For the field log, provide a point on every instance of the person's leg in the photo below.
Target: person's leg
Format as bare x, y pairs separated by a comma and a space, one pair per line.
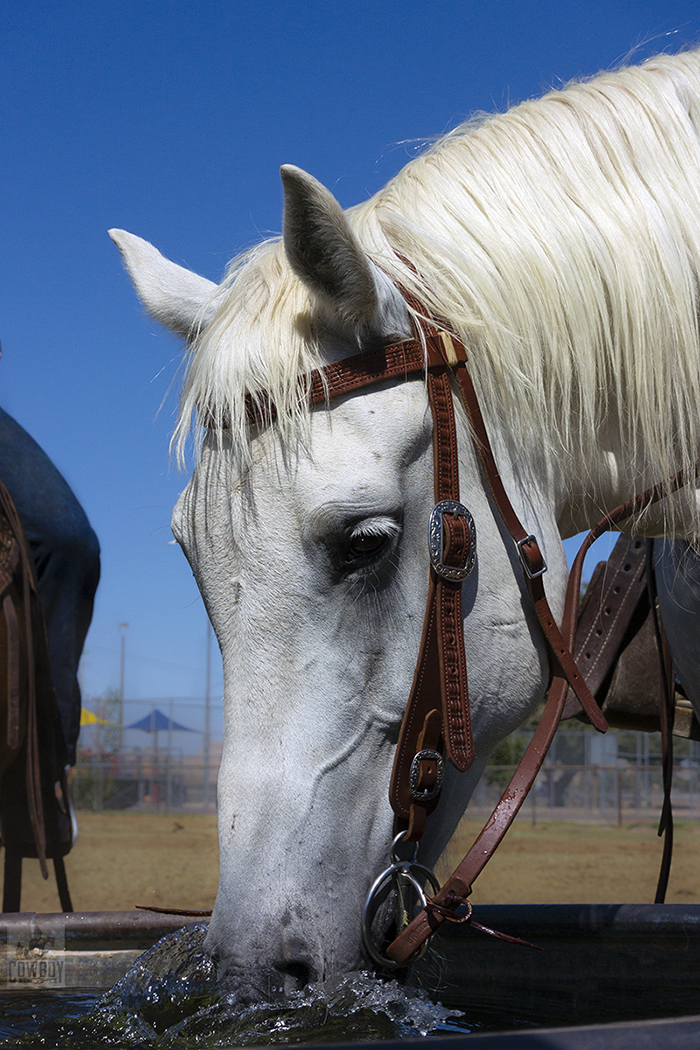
66, 555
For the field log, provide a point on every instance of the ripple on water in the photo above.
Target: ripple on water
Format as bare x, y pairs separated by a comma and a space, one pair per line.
170, 998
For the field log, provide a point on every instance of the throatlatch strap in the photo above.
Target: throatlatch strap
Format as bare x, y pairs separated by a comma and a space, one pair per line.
530, 556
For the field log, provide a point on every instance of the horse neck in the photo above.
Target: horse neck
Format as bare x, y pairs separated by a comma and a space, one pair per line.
618, 472
583, 337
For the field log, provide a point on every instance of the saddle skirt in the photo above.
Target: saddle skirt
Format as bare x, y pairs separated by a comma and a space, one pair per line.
617, 649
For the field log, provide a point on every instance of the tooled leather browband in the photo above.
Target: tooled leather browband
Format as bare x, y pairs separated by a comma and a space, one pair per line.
393, 361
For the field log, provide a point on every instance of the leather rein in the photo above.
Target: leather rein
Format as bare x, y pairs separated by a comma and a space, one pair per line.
436, 725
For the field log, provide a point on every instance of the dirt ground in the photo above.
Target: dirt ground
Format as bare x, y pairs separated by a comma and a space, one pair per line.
580, 864
124, 859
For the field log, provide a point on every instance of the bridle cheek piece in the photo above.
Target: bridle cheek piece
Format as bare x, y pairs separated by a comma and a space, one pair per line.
436, 726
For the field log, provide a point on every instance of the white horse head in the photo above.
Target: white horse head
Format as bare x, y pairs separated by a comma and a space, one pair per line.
551, 238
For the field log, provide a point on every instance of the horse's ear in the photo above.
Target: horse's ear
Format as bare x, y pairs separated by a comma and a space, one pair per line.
322, 249
173, 295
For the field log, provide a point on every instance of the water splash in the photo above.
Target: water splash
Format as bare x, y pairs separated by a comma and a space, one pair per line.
170, 998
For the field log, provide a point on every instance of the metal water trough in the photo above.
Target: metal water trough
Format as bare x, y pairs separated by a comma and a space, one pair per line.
599, 963
78, 950
631, 971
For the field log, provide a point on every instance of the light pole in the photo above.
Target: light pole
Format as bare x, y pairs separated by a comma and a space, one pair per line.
123, 628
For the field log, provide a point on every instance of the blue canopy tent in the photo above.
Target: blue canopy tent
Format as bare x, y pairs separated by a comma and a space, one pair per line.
156, 722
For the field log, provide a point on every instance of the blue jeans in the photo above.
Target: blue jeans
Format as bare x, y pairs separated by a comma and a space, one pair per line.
66, 556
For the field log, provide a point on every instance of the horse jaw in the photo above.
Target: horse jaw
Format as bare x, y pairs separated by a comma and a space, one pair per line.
176, 297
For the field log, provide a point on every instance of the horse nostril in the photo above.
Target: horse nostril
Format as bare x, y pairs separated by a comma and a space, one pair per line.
297, 973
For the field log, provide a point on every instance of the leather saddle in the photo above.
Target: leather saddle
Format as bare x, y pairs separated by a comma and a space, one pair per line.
618, 651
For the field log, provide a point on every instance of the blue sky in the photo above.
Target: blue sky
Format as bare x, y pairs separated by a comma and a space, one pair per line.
171, 119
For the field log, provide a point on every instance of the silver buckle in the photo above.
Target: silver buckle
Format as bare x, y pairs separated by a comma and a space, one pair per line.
520, 545
436, 540
425, 794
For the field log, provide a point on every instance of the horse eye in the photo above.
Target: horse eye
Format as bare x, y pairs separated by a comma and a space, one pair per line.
365, 546
366, 543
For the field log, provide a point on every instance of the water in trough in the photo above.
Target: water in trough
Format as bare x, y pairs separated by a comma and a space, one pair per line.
170, 998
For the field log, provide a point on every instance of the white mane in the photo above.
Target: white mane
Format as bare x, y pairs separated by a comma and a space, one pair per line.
560, 239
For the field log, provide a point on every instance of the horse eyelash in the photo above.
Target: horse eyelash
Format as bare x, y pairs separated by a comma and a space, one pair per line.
380, 527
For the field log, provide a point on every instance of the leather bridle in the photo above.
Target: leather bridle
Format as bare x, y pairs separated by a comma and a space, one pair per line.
436, 726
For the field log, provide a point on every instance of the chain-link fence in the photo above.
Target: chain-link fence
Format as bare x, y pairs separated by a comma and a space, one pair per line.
614, 778
149, 754
167, 781
593, 794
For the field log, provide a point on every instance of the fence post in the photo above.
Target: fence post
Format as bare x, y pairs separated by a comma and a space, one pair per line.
619, 798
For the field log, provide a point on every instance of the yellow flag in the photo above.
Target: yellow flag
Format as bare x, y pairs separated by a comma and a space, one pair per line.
87, 718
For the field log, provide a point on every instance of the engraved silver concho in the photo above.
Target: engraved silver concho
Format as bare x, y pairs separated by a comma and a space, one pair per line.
454, 573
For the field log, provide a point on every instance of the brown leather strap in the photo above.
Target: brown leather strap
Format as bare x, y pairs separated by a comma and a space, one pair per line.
13, 673
440, 680
453, 664
530, 555
394, 361
64, 896
452, 677
666, 709
459, 884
